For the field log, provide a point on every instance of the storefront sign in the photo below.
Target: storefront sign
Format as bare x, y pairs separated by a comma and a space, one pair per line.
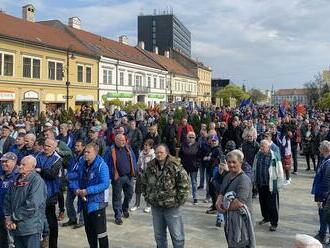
81, 98
7, 95
117, 95
31, 95
156, 96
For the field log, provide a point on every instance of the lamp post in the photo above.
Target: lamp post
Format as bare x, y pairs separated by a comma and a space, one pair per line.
69, 55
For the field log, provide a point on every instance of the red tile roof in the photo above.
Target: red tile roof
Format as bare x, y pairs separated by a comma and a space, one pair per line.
35, 33
286, 92
171, 65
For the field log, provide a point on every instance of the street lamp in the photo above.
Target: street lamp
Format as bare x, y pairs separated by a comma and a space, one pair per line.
69, 55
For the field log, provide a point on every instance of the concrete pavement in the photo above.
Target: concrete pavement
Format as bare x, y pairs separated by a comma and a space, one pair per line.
298, 214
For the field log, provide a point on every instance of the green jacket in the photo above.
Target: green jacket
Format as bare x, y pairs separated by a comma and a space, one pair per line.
167, 187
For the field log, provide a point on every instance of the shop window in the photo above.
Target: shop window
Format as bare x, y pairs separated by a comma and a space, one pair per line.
80, 71
88, 74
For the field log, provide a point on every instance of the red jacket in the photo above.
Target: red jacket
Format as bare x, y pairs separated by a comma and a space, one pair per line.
188, 127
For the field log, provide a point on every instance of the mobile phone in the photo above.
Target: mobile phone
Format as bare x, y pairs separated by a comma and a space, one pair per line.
222, 159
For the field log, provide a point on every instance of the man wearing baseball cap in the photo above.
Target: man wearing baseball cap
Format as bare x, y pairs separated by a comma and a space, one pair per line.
8, 174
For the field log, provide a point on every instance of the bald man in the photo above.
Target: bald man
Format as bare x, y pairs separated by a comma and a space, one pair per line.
24, 205
122, 166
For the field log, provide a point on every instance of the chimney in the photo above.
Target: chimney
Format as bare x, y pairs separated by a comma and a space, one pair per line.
74, 22
167, 54
141, 44
123, 39
28, 12
156, 49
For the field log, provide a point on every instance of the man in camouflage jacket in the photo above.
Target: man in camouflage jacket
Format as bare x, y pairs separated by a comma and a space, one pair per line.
165, 186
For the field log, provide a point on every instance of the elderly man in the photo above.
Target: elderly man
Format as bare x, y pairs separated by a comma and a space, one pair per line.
24, 206
93, 136
18, 147
8, 176
65, 136
91, 183
135, 138
6, 141
165, 186
269, 179
321, 187
29, 141
183, 130
49, 163
122, 167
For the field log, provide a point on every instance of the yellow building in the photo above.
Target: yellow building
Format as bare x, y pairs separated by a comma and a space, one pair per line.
37, 62
204, 85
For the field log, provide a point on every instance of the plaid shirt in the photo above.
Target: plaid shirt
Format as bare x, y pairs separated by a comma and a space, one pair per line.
262, 167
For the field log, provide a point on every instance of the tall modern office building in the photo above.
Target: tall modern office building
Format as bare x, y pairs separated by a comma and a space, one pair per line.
163, 32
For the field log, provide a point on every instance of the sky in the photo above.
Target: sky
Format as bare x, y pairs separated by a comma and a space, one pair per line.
259, 43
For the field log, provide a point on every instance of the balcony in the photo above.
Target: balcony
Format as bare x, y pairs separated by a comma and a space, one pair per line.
141, 89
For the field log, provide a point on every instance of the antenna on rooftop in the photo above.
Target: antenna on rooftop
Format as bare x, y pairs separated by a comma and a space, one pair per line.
141, 11
155, 11
171, 10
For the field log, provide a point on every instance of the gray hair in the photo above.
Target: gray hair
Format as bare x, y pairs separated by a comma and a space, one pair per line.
32, 159
237, 154
325, 146
265, 142
32, 136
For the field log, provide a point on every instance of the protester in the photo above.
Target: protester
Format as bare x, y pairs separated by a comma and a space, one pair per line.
8, 176
146, 155
269, 179
165, 187
24, 206
6, 140
135, 138
121, 161
239, 227
48, 166
92, 189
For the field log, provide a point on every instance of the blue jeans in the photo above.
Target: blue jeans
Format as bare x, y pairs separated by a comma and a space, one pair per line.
125, 184
323, 225
193, 180
202, 170
71, 211
28, 241
171, 218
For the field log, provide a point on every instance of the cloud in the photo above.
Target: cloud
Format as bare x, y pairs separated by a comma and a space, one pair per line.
263, 42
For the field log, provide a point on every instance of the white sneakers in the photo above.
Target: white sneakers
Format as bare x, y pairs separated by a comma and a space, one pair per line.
146, 209
287, 182
135, 208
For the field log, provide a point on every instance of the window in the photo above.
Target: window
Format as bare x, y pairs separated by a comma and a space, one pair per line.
107, 76
155, 82
88, 74
36, 68
7, 68
130, 79
55, 70
51, 70
121, 78
27, 67
161, 83
31, 67
138, 80
80, 73
149, 82
59, 71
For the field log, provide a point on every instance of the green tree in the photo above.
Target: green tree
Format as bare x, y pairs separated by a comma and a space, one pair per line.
257, 96
231, 91
324, 101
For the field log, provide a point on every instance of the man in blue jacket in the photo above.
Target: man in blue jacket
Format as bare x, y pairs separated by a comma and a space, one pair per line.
91, 184
49, 164
8, 175
73, 167
321, 188
122, 166
24, 206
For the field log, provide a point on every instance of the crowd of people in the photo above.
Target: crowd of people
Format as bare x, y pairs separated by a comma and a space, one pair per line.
232, 155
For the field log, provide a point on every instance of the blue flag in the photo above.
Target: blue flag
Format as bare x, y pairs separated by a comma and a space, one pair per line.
281, 111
